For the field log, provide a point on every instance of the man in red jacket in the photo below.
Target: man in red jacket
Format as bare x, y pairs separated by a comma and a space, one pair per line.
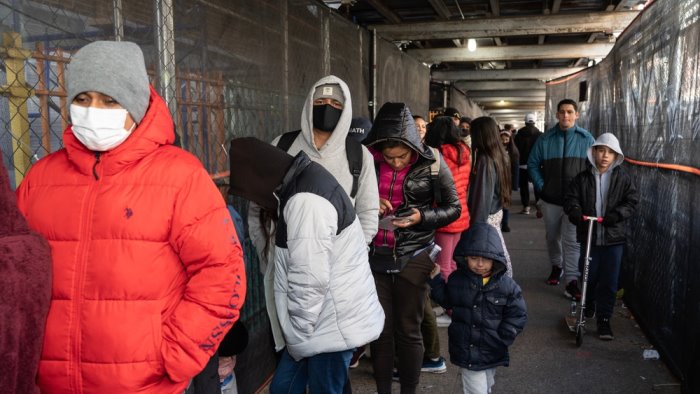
148, 270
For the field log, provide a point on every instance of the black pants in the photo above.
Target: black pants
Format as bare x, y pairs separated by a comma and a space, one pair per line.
402, 297
525, 188
207, 381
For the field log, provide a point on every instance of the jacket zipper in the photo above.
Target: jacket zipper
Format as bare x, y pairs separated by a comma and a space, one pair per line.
94, 166
79, 282
405, 202
391, 194
562, 188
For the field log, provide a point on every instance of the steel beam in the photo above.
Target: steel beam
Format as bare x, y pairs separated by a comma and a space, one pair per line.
512, 52
542, 74
517, 99
499, 85
385, 11
529, 105
605, 22
510, 111
533, 94
440, 9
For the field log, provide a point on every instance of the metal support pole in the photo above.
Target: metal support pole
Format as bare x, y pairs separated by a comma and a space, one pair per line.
373, 76
445, 88
165, 66
284, 14
118, 20
326, 43
14, 57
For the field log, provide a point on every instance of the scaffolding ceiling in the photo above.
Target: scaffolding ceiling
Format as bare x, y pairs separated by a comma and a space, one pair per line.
516, 40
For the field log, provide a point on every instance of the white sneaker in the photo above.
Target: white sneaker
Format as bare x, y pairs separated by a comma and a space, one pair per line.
434, 366
443, 321
525, 211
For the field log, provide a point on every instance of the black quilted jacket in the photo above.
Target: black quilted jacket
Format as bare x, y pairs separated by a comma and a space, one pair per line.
395, 122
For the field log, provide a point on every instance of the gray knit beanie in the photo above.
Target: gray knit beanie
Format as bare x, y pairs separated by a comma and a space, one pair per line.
116, 69
331, 91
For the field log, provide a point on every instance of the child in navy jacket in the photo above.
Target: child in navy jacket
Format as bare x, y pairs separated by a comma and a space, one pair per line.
488, 310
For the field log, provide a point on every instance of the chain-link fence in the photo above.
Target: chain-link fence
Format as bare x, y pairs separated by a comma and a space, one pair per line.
226, 68
647, 92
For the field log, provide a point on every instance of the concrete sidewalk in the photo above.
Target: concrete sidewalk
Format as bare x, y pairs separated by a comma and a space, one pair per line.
544, 358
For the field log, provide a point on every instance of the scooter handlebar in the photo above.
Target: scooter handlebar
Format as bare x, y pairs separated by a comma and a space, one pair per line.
593, 218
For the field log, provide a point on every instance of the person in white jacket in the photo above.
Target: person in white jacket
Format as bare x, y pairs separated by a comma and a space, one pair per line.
324, 292
325, 124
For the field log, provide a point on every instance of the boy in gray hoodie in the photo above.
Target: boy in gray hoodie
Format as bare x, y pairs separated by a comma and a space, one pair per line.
603, 190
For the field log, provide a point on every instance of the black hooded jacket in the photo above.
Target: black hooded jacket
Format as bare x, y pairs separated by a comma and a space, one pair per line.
524, 140
621, 202
395, 122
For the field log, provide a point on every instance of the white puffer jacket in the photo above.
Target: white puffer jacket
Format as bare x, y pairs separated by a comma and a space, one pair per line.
323, 287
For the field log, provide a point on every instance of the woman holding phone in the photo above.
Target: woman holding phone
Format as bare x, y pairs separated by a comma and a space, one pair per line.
402, 252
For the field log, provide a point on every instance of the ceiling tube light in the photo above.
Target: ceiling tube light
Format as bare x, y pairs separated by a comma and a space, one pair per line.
471, 45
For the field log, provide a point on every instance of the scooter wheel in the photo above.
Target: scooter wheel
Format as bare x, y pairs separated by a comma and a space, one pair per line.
579, 336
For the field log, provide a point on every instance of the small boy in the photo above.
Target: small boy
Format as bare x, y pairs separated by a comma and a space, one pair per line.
488, 309
604, 190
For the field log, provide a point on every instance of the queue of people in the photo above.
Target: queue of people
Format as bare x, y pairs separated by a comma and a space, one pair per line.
359, 226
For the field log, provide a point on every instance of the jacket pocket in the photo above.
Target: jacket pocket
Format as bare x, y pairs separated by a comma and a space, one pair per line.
156, 360
495, 305
418, 269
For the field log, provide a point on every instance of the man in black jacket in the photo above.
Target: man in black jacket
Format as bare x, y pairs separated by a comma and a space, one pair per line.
524, 140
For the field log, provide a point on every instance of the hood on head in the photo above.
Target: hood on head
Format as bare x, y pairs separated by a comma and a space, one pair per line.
609, 140
481, 239
257, 169
337, 139
394, 121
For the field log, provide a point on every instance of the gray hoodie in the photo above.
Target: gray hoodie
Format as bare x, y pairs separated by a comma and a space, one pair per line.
602, 181
332, 157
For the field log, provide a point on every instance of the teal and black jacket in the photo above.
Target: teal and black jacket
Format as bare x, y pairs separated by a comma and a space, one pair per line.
556, 158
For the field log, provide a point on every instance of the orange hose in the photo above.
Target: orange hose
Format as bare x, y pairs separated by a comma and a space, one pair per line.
673, 167
220, 175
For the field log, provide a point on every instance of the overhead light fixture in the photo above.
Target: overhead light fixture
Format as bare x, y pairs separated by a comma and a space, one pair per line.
501, 102
471, 45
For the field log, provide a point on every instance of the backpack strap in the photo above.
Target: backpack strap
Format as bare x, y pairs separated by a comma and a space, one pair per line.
353, 150
434, 175
287, 139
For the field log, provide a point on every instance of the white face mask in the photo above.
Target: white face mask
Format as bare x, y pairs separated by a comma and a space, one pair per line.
99, 129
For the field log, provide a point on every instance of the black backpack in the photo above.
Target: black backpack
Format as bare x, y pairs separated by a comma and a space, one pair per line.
353, 150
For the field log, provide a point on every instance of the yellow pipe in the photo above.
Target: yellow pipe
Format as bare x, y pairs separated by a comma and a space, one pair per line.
18, 93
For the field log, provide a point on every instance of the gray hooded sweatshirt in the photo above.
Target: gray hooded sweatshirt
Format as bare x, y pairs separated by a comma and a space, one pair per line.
332, 157
602, 181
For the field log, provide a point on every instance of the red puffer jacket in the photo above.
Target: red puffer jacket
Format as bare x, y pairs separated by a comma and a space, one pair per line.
148, 273
460, 174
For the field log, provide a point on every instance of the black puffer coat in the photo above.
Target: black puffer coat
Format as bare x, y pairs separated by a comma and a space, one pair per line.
485, 318
395, 122
525, 139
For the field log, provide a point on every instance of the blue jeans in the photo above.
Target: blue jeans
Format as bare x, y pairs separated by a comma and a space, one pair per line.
603, 274
324, 373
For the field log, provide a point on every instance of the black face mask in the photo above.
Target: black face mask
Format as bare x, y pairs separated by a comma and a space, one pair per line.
326, 117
